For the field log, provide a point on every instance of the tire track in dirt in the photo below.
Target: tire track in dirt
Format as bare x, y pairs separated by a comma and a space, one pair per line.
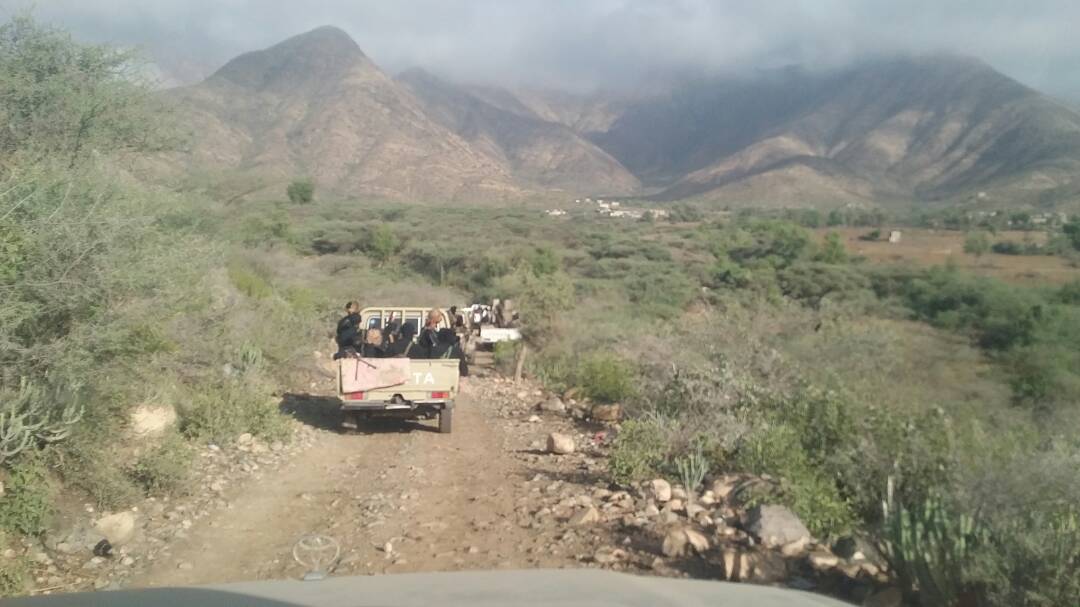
437, 501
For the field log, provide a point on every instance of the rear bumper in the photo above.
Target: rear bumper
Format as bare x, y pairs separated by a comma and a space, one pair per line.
402, 407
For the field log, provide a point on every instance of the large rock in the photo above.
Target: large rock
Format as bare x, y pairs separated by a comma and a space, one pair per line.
742, 565
776, 526
151, 420
552, 405
585, 516
560, 444
723, 487
679, 541
606, 413
660, 489
675, 543
697, 540
118, 528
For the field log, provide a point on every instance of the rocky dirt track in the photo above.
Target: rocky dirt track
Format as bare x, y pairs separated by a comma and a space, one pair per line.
403, 498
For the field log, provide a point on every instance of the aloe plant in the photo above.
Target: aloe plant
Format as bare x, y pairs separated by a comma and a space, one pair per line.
32, 415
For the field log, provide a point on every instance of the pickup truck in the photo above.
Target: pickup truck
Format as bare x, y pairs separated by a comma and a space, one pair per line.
401, 388
490, 335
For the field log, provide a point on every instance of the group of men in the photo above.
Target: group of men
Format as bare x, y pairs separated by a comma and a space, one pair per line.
398, 339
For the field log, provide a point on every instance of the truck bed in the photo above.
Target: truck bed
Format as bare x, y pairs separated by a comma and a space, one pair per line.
382, 383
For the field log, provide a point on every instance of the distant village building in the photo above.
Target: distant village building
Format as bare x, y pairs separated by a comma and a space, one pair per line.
894, 237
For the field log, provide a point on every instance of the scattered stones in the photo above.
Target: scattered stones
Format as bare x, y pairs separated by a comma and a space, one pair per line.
560, 444
533, 419
676, 505
609, 555
661, 490
776, 526
185, 566
244, 439
678, 493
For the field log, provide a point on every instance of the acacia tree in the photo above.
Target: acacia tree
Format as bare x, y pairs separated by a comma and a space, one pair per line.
61, 100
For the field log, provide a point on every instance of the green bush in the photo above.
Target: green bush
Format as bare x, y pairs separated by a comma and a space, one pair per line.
640, 450
606, 378
219, 412
506, 356
26, 505
14, 576
81, 464
166, 469
1032, 559
249, 279
301, 191
778, 449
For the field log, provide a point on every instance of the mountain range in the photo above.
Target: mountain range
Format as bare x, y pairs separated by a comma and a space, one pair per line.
906, 129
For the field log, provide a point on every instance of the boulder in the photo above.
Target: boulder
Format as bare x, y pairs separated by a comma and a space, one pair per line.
660, 489
697, 540
151, 420
560, 444
585, 516
776, 526
552, 405
822, 560
742, 565
118, 528
678, 493
606, 413
858, 548
724, 486
675, 543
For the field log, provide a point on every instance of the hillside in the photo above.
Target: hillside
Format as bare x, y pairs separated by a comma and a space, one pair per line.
910, 128
931, 128
316, 105
538, 150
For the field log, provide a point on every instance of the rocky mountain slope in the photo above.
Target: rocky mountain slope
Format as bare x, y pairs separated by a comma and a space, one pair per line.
939, 127
912, 128
536, 149
316, 105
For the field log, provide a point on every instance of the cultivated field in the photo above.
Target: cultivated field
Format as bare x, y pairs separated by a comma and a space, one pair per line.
927, 247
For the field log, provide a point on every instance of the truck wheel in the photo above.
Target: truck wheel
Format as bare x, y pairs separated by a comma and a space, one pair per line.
446, 419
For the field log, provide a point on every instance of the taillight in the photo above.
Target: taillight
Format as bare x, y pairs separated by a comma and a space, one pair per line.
354, 396
440, 395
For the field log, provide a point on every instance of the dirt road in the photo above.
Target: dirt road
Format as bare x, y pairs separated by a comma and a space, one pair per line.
397, 497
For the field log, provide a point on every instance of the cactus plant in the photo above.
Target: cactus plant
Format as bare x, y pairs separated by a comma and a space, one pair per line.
929, 547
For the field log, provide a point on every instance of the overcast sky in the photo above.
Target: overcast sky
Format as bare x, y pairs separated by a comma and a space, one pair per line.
589, 43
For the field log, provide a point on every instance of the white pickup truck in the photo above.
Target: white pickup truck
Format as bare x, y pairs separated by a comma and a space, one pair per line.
490, 335
405, 388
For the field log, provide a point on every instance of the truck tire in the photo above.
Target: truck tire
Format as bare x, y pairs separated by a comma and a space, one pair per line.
446, 420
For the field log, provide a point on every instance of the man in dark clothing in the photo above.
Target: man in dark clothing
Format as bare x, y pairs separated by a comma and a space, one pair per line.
403, 344
448, 345
348, 331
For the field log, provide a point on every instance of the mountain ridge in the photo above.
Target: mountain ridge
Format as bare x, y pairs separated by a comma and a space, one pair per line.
918, 128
